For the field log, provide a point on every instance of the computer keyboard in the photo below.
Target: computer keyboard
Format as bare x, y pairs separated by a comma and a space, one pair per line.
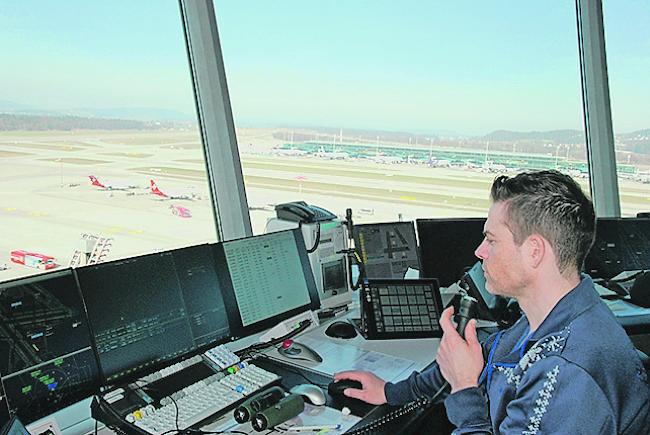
202, 399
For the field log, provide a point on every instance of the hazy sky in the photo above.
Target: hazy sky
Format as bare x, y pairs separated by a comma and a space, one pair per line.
412, 65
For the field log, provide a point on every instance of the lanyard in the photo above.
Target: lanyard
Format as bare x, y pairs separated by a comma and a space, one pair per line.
489, 366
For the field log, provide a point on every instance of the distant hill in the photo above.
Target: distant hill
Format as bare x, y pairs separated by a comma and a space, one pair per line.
135, 113
639, 134
553, 136
10, 122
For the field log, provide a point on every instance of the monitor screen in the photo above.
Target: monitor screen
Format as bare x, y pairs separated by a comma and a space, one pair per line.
269, 279
621, 244
46, 358
387, 250
447, 247
146, 311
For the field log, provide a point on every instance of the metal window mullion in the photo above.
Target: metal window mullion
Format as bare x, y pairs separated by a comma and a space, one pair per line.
223, 164
597, 111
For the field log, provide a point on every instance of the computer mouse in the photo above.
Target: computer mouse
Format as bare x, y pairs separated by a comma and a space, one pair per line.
341, 329
294, 350
337, 387
312, 393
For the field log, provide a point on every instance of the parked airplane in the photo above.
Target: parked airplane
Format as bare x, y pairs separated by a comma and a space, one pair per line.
388, 160
288, 152
175, 194
334, 155
111, 186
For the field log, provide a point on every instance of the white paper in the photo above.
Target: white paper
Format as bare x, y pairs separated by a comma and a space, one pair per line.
343, 357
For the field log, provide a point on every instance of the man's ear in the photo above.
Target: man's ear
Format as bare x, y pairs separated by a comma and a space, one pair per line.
535, 250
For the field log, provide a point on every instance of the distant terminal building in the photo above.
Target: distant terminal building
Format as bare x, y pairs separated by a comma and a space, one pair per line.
456, 157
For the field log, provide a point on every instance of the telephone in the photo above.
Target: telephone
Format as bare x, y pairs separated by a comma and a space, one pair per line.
300, 211
504, 311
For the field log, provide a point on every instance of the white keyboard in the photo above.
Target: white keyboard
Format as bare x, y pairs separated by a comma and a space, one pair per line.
201, 400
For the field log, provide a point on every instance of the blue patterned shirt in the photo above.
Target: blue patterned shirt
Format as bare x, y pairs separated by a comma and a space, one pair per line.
578, 373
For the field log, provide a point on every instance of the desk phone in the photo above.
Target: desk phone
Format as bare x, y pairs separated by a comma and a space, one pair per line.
400, 308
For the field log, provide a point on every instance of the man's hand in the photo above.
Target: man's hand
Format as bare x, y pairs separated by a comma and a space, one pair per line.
460, 361
372, 387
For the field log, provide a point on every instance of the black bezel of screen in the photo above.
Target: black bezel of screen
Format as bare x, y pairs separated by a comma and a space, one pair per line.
82, 391
5, 416
393, 282
144, 371
236, 325
411, 228
9, 428
455, 242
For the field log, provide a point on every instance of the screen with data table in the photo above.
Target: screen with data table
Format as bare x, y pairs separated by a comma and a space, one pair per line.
146, 311
46, 358
270, 278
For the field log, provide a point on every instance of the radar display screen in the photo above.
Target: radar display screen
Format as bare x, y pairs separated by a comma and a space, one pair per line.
46, 359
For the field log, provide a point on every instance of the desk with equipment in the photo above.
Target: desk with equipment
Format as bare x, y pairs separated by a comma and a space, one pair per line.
175, 340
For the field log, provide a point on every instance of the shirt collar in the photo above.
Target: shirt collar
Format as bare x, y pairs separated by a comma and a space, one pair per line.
579, 299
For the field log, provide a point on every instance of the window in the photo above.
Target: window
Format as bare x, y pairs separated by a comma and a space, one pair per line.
399, 111
99, 143
627, 40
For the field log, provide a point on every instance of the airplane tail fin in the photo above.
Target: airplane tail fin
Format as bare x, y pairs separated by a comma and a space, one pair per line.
155, 190
95, 182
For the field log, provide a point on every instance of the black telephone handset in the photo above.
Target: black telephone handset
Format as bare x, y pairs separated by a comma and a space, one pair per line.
504, 311
466, 312
300, 211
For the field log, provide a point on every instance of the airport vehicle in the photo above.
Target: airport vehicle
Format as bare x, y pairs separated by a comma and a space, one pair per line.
110, 186
175, 194
180, 211
33, 259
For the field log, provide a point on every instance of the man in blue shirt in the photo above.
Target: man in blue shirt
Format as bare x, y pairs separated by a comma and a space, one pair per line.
566, 366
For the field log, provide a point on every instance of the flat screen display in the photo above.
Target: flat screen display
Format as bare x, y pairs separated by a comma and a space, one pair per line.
447, 247
46, 358
146, 311
269, 279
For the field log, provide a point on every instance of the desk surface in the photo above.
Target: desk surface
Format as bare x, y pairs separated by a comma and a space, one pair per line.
392, 360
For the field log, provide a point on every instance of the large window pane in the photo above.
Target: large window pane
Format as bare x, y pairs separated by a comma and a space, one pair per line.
628, 61
399, 109
97, 89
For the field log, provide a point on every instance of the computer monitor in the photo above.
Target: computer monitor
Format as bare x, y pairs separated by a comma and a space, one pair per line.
14, 427
447, 247
387, 249
268, 279
146, 311
621, 244
46, 358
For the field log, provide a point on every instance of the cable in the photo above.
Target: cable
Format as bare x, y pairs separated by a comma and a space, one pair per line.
317, 242
243, 353
292, 370
178, 430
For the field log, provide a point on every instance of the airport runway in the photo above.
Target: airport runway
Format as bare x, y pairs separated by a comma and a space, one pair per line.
47, 202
